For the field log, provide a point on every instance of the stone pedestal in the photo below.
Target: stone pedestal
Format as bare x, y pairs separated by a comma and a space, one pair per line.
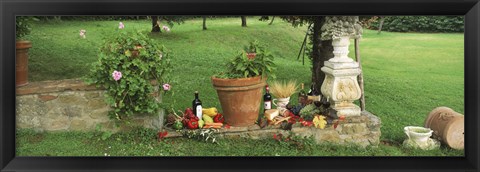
340, 85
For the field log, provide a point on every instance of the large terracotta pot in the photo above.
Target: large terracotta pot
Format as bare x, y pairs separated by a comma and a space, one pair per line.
21, 62
240, 99
447, 126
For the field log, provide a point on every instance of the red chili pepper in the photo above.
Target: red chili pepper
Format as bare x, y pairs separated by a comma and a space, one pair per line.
192, 124
300, 119
161, 135
218, 118
307, 123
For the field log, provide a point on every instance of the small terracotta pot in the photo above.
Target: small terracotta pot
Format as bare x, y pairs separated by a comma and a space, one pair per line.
240, 99
21, 64
251, 56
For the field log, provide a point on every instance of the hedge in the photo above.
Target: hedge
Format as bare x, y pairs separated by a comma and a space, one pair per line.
420, 24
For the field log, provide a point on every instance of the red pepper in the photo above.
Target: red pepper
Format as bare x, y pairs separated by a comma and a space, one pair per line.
195, 118
218, 118
188, 111
192, 124
189, 114
185, 121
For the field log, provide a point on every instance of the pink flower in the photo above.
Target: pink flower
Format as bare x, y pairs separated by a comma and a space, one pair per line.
121, 25
166, 29
82, 33
116, 75
166, 87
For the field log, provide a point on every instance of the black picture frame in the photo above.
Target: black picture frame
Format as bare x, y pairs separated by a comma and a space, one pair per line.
9, 9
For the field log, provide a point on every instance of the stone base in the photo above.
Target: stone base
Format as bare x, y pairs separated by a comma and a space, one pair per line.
362, 130
351, 110
341, 86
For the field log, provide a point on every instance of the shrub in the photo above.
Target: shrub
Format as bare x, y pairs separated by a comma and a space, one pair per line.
23, 27
421, 24
129, 65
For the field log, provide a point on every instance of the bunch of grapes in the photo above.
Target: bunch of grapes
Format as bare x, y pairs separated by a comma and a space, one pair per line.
295, 109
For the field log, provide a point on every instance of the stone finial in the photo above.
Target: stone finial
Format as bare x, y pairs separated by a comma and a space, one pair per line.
340, 26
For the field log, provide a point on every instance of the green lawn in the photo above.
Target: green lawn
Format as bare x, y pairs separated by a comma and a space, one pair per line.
406, 76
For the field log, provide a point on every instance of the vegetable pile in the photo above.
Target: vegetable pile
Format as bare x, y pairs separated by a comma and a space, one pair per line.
211, 119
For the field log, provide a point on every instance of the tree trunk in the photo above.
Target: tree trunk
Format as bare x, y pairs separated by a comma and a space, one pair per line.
204, 23
321, 52
244, 21
360, 77
155, 26
271, 22
382, 19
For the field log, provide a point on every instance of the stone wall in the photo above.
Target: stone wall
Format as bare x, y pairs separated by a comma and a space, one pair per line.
68, 105
71, 105
363, 130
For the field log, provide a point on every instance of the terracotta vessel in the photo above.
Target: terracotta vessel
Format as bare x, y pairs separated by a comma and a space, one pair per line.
240, 99
447, 126
251, 56
21, 62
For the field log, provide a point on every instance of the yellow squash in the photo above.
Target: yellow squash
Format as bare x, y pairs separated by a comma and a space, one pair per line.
210, 111
207, 119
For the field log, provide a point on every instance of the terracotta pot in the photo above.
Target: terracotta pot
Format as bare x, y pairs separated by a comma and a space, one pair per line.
21, 64
447, 126
251, 56
240, 99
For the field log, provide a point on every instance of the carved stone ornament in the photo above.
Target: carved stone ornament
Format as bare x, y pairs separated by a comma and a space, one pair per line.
340, 85
339, 26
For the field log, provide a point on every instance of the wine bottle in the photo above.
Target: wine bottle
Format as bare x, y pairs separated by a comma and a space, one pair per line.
197, 106
302, 96
267, 99
312, 93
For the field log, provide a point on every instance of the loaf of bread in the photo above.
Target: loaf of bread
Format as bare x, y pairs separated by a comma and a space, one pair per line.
271, 113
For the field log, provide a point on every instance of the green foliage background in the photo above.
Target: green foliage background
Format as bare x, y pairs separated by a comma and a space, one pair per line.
421, 24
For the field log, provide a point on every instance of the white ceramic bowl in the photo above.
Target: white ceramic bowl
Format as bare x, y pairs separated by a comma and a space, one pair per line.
418, 134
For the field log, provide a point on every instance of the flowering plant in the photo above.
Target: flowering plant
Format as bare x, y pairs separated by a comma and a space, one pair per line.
243, 67
133, 70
